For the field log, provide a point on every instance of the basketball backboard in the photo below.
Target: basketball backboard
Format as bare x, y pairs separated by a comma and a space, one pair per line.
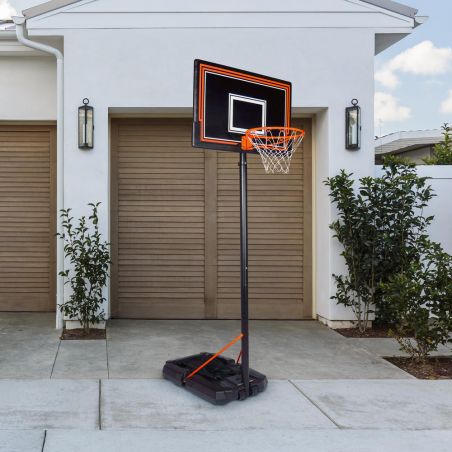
228, 102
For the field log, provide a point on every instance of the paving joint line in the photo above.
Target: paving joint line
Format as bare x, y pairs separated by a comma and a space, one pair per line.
382, 360
99, 412
44, 441
54, 361
340, 427
106, 351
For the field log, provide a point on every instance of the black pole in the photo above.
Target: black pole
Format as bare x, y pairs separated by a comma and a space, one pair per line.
244, 270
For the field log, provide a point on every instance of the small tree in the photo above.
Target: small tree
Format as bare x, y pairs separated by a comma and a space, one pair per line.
442, 153
420, 299
400, 221
89, 257
355, 230
378, 225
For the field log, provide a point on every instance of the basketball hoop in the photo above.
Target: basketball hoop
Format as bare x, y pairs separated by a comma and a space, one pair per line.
275, 145
227, 101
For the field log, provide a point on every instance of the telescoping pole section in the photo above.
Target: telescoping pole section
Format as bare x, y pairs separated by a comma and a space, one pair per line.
244, 269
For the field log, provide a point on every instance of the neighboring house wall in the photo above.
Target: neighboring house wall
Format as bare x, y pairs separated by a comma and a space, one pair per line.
414, 145
416, 156
28, 88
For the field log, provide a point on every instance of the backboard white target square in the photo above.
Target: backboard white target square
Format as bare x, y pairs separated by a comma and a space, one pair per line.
241, 107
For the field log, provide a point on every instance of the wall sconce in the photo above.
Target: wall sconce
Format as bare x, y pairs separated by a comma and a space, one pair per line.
353, 126
85, 125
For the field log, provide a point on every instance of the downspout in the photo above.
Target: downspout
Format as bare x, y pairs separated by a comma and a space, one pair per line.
21, 37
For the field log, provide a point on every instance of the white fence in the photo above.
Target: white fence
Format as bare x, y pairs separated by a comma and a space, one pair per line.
441, 205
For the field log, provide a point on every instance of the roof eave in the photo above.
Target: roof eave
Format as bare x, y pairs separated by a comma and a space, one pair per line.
395, 7
46, 7
52, 5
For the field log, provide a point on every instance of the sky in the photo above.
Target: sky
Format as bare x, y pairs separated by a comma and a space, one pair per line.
413, 78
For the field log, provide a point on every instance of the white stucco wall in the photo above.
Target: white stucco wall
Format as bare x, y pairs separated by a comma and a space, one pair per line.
441, 182
27, 88
440, 179
144, 60
161, 76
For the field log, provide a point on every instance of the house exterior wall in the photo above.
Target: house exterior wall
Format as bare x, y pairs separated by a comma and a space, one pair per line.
28, 88
160, 76
142, 61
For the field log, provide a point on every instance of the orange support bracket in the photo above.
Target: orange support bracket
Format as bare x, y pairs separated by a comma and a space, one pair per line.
214, 356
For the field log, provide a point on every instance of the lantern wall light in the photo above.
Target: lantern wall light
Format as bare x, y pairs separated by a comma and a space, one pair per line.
86, 125
353, 126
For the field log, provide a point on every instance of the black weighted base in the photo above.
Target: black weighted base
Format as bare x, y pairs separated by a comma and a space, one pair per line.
219, 382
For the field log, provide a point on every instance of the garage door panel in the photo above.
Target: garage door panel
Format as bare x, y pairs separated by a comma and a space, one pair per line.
275, 233
160, 209
176, 228
27, 302
159, 310
27, 218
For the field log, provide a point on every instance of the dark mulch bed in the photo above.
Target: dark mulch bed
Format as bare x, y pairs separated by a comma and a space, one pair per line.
435, 368
375, 331
79, 334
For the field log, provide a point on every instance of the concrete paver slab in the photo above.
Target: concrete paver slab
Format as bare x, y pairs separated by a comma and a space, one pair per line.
42, 404
23, 441
383, 404
28, 345
279, 349
159, 404
81, 359
27, 320
139, 349
246, 441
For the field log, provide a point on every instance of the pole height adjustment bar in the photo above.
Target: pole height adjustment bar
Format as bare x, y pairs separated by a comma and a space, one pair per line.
244, 270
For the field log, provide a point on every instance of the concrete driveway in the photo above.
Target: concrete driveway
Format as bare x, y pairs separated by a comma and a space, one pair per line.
326, 393
30, 348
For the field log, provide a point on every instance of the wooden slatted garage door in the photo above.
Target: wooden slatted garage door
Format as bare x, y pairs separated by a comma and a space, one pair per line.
27, 218
175, 228
159, 257
276, 239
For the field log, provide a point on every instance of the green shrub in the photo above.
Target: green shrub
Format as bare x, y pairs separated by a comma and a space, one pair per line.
378, 225
442, 153
89, 258
420, 299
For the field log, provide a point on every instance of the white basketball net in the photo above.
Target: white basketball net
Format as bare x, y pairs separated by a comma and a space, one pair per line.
276, 146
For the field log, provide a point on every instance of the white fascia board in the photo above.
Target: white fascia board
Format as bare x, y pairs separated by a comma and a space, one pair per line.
74, 20
389, 12
14, 48
58, 7
86, 14
47, 8
391, 5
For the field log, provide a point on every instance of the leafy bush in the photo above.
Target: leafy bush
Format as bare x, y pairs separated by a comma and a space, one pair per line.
378, 226
442, 153
89, 257
420, 298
